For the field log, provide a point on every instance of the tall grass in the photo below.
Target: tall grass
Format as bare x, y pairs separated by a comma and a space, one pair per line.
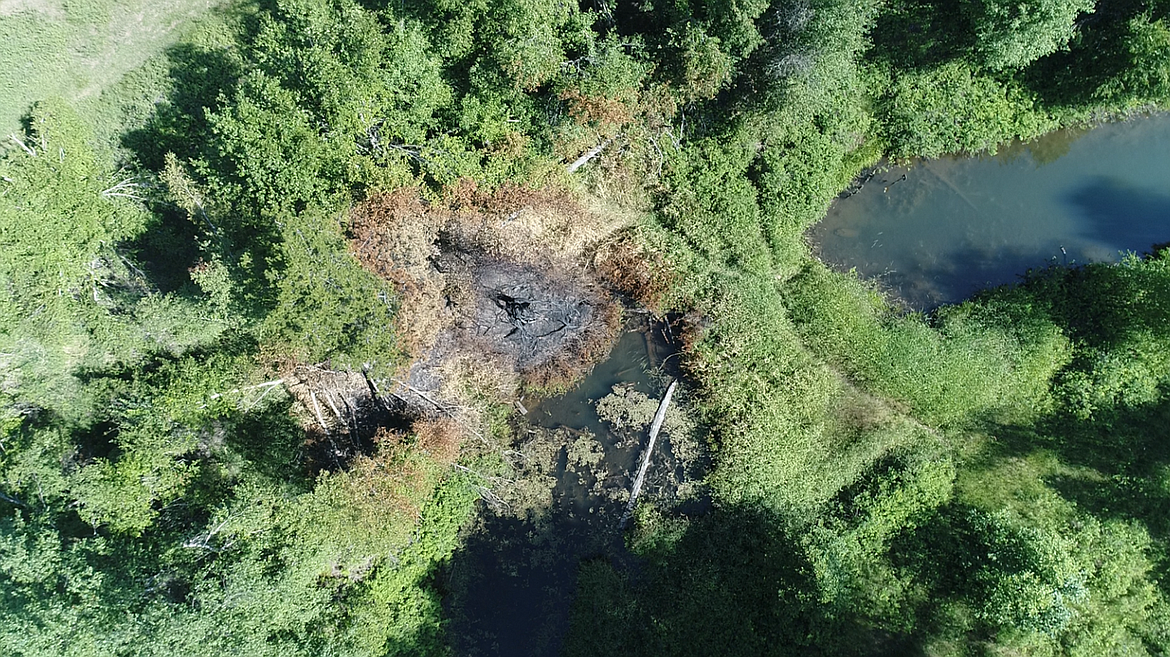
789, 431
966, 364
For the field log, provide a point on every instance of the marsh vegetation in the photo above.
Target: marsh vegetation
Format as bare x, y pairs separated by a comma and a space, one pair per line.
275, 298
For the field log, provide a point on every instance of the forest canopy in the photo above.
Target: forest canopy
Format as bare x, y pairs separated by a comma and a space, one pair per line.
198, 450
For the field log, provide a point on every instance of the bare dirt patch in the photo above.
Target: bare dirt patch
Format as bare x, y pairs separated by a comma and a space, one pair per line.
49, 8
501, 294
499, 289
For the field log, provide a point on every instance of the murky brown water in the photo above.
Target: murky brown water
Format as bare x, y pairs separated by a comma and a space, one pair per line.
513, 580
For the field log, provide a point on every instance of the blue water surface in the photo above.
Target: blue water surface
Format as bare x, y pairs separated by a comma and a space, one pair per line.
939, 230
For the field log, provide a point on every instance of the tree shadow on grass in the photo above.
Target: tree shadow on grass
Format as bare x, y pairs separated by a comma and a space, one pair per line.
1129, 449
1126, 450
201, 80
167, 250
1119, 458
1110, 428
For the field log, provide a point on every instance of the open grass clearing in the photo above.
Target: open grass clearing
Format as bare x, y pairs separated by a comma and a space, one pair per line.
75, 50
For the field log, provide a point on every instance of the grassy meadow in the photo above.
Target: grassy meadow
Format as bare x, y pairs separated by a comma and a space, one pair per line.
79, 49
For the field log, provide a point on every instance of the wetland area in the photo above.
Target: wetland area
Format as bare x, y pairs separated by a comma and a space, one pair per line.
576, 454
348, 328
932, 232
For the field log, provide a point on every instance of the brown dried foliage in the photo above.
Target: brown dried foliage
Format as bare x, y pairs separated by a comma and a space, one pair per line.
510, 197
439, 438
393, 236
635, 271
693, 331
598, 111
441, 257
388, 482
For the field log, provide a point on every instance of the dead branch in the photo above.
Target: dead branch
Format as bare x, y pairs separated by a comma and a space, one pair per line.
317, 409
374, 391
329, 400
423, 396
351, 408
446, 411
260, 398
589, 155
486, 493
468, 470
267, 385
491, 498
12, 500
22, 145
655, 427
122, 188
203, 541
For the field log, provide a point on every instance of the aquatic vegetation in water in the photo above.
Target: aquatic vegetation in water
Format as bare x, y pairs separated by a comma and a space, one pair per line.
677, 466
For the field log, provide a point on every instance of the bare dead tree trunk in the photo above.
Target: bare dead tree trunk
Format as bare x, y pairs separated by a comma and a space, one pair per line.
374, 391
317, 408
13, 500
329, 400
655, 427
23, 145
589, 155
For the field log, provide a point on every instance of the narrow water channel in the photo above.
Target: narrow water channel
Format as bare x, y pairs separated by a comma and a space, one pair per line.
939, 230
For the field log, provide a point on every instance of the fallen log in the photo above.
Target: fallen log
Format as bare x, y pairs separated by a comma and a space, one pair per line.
655, 427
374, 391
442, 409
317, 408
589, 155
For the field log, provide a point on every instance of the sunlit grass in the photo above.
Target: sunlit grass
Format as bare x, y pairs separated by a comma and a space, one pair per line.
75, 50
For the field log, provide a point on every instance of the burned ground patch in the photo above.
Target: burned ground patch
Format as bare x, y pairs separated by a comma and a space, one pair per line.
545, 324
500, 295
502, 283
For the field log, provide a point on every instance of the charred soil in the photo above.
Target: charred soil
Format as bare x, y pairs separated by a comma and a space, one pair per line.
501, 290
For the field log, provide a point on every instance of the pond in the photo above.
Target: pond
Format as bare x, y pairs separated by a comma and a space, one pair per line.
510, 586
939, 230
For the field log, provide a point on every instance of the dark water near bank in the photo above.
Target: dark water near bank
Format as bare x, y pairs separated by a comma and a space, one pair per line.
513, 580
633, 359
955, 225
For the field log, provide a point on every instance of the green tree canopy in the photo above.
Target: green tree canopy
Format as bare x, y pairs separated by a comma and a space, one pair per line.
1014, 33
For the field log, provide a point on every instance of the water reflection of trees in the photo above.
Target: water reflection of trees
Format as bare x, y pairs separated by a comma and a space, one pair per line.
1125, 217
1045, 149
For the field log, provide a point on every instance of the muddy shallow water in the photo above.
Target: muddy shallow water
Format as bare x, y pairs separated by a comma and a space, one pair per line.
510, 586
940, 230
